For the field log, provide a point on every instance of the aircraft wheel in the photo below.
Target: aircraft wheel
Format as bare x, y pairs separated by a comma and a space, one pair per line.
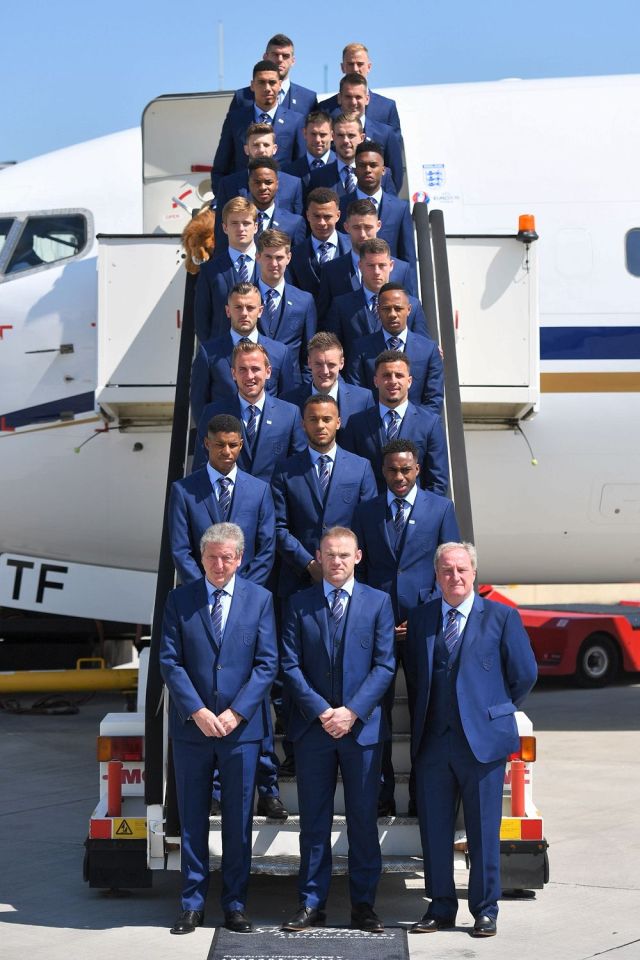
597, 661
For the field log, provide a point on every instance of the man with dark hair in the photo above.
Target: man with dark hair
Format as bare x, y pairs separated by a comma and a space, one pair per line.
323, 245
263, 174
317, 137
394, 214
287, 124
271, 428
427, 374
340, 174
355, 59
211, 376
398, 533
394, 417
292, 96
355, 315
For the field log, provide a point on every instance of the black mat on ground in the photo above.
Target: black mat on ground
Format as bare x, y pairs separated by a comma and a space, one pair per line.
318, 943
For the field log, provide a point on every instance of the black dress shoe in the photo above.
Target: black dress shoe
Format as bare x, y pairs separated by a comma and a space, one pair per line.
237, 921
364, 917
485, 926
412, 810
187, 921
387, 808
272, 807
215, 809
304, 918
432, 924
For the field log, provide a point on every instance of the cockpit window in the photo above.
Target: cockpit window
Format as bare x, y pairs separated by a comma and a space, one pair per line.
48, 239
5, 225
632, 251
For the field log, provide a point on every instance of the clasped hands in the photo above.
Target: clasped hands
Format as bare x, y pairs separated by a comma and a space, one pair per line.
336, 721
219, 725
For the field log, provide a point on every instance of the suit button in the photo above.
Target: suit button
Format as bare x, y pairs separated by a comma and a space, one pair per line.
218, 668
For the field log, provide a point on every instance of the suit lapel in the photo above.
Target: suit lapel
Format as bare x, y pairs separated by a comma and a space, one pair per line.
473, 626
236, 608
311, 479
205, 614
406, 426
208, 496
418, 517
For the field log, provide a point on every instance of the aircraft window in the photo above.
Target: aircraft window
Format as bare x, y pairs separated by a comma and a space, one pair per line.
47, 240
5, 225
632, 245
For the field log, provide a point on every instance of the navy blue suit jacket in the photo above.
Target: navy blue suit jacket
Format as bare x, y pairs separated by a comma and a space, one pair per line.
193, 506
291, 223
302, 516
304, 269
408, 574
300, 168
397, 227
215, 279
279, 435
350, 319
351, 399
211, 378
381, 109
339, 276
230, 155
366, 435
297, 98
294, 325
427, 388
496, 671
246, 660
368, 660
288, 197
328, 176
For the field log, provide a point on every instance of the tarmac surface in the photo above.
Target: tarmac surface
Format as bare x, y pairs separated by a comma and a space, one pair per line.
586, 784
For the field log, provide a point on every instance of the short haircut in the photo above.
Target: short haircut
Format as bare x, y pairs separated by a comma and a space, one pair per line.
258, 163
224, 423
322, 195
347, 118
392, 356
244, 346
243, 289
273, 238
259, 130
263, 65
239, 205
392, 285
323, 340
353, 80
453, 545
370, 146
339, 532
400, 446
223, 533
279, 40
317, 116
316, 399
354, 48
361, 208
375, 245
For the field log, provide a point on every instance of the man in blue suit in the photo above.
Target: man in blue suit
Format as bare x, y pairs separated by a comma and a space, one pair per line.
326, 360
236, 264
317, 134
289, 314
355, 59
337, 661
314, 490
271, 428
340, 174
394, 214
357, 314
292, 96
218, 658
394, 417
470, 667
211, 375
310, 258
287, 124
427, 373
398, 533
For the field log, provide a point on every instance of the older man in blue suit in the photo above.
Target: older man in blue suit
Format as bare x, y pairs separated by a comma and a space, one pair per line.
337, 661
470, 667
271, 428
287, 124
292, 96
218, 658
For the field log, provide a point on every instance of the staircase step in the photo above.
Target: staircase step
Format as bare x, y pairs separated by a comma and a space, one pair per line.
289, 794
289, 866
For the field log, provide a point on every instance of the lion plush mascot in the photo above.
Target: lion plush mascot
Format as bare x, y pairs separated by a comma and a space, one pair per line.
197, 239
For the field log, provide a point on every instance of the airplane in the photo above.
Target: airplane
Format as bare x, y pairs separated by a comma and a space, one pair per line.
548, 334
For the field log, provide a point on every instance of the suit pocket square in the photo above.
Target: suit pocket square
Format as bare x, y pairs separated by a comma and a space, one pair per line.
501, 710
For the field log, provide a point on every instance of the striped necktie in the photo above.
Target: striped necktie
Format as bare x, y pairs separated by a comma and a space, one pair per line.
338, 604
349, 179
252, 423
317, 163
394, 343
265, 118
399, 518
324, 473
272, 309
224, 496
393, 425
243, 269
451, 630
324, 250
373, 306
262, 219
216, 615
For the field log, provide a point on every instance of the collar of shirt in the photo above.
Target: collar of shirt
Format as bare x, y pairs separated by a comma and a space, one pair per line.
377, 196
464, 609
401, 409
228, 589
332, 393
269, 212
315, 455
326, 158
342, 166
401, 336
264, 287
332, 239
368, 294
250, 254
258, 113
410, 497
214, 475
236, 337
244, 404
329, 587
285, 85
